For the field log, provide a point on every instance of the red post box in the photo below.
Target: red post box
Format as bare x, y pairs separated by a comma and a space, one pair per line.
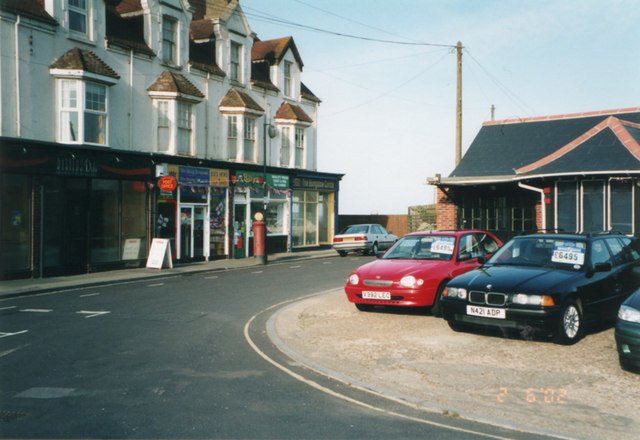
259, 238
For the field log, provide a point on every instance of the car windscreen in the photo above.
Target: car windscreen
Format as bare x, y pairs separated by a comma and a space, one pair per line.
557, 253
423, 247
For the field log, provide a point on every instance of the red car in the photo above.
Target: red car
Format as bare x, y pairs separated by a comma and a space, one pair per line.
415, 270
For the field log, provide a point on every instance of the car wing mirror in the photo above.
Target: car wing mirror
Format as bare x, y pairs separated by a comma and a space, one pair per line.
603, 267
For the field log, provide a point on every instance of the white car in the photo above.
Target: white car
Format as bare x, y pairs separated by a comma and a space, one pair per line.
365, 238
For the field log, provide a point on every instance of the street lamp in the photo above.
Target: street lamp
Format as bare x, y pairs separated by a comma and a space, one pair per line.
271, 131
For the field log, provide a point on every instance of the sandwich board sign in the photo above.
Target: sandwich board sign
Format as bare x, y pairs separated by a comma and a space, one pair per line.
160, 254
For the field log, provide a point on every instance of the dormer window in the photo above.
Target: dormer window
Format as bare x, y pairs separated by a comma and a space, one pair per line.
78, 16
235, 62
287, 79
169, 40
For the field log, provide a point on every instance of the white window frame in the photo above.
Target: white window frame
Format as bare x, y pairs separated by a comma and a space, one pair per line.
80, 11
232, 137
285, 147
163, 126
288, 80
170, 46
249, 151
178, 123
78, 105
235, 61
300, 143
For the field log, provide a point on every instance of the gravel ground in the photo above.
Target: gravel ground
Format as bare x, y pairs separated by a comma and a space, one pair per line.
574, 391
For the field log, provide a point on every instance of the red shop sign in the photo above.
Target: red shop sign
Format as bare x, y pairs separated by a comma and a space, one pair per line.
167, 183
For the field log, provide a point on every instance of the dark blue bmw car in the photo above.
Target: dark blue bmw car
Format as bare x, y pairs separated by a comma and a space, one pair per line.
628, 333
550, 284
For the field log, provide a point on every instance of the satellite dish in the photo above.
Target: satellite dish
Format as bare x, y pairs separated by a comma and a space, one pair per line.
273, 131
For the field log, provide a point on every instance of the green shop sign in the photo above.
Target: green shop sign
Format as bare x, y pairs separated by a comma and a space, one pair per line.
256, 180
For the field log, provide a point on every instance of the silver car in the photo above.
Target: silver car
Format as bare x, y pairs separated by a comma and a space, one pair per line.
365, 238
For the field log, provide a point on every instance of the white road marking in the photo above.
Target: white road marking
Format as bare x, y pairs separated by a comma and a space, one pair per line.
211, 278
90, 294
4, 335
333, 393
91, 314
6, 352
156, 285
295, 267
7, 308
257, 271
36, 310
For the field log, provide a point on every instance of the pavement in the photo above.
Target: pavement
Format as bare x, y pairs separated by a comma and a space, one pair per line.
12, 288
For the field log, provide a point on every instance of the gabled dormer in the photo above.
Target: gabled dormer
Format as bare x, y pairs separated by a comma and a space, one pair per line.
281, 60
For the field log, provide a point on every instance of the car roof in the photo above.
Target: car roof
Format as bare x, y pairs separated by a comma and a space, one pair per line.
456, 232
569, 236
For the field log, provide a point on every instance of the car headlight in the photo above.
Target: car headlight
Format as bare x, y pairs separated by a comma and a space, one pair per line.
411, 281
455, 292
630, 314
533, 300
354, 279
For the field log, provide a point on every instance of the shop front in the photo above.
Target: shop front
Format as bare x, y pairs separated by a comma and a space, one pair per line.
250, 197
313, 208
192, 212
66, 211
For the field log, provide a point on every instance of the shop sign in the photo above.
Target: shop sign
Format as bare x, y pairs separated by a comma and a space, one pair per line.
193, 176
256, 180
314, 184
76, 166
167, 183
219, 178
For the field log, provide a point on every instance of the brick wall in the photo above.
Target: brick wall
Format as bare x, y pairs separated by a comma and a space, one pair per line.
446, 212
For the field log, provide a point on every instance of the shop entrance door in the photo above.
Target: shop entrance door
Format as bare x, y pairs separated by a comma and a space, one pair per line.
192, 231
239, 231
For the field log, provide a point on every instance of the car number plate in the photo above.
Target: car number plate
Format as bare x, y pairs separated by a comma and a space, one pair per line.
376, 295
486, 312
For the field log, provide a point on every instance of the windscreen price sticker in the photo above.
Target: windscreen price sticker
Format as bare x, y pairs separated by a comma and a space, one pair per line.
442, 247
568, 255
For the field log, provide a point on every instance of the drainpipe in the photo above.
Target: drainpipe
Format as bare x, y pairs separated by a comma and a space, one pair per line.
130, 146
17, 62
543, 207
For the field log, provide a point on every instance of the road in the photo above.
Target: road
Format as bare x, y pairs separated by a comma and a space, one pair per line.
186, 357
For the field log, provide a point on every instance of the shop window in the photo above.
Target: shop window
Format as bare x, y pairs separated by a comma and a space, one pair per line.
15, 223
82, 112
304, 218
567, 206
104, 217
621, 206
134, 216
593, 206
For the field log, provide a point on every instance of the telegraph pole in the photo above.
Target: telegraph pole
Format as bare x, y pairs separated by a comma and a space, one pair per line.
459, 104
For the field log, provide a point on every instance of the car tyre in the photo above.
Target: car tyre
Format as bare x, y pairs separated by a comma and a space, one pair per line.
455, 326
364, 307
436, 309
342, 253
570, 325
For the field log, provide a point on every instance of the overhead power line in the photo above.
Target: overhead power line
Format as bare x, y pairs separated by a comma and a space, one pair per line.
261, 16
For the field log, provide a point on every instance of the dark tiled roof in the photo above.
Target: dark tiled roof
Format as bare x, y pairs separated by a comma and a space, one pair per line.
175, 83
308, 94
77, 59
238, 99
272, 51
201, 29
292, 112
209, 68
260, 75
124, 7
30, 8
502, 147
213, 9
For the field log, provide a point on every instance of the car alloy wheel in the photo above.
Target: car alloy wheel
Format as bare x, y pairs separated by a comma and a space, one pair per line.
570, 325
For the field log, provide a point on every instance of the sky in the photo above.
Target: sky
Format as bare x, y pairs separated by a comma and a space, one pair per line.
386, 74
